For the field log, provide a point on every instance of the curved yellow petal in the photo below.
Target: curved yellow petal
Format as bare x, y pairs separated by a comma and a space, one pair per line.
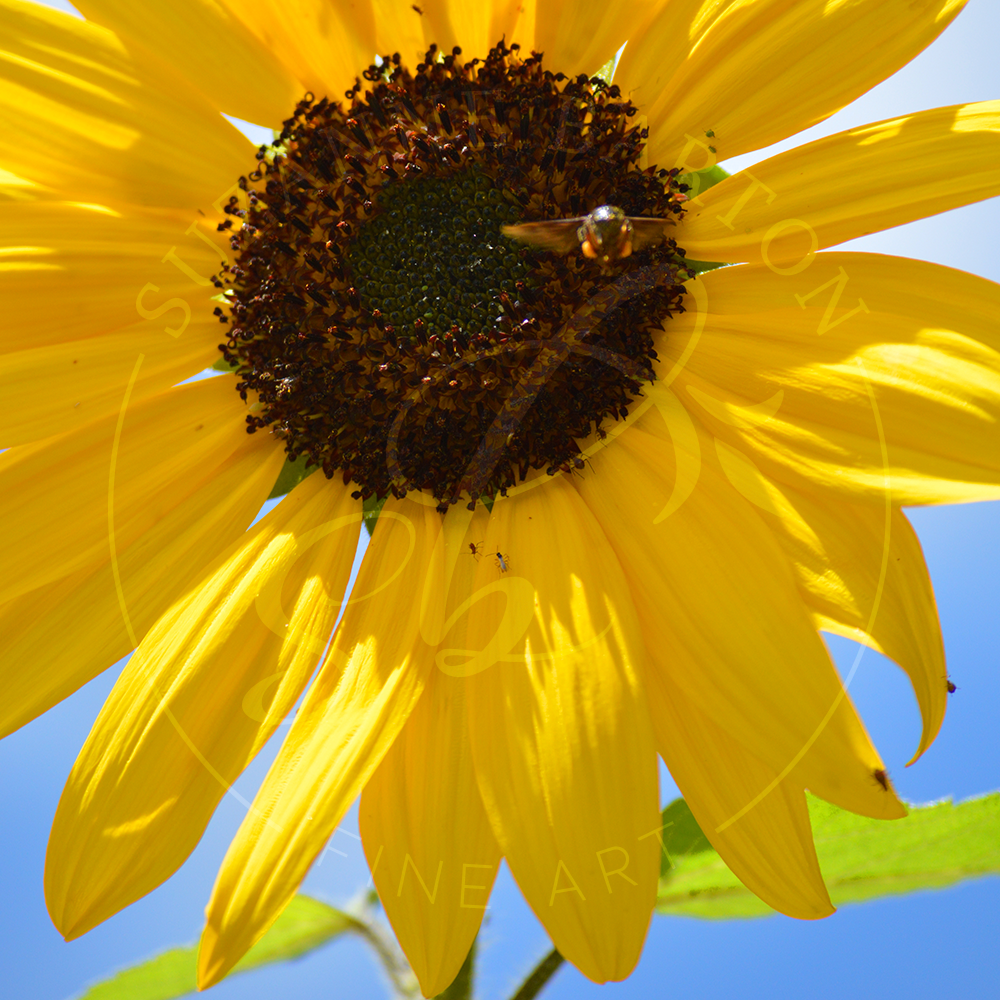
59, 388
745, 57
560, 730
713, 585
366, 688
211, 49
57, 637
204, 691
580, 36
882, 374
654, 54
428, 841
70, 270
323, 45
87, 116
400, 28
850, 184
142, 462
862, 575
769, 847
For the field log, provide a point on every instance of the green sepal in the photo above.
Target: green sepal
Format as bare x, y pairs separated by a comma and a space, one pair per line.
292, 473
701, 180
700, 266
372, 508
222, 365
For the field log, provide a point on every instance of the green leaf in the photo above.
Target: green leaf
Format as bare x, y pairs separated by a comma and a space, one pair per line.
305, 925
292, 473
681, 836
935, 846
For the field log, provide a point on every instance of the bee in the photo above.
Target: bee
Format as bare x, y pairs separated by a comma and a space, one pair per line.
882, 778
607, 234
502, 563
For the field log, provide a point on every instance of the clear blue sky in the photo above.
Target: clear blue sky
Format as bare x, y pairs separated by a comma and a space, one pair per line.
933, 944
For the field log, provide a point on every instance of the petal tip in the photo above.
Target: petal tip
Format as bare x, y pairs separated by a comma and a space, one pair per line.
212, 965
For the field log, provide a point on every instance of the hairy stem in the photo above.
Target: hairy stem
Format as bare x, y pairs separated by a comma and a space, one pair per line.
541, 974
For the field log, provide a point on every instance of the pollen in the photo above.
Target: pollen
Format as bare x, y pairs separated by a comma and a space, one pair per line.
392, 334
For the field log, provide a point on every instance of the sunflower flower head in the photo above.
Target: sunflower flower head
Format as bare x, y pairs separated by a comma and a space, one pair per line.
619, 500
376, 304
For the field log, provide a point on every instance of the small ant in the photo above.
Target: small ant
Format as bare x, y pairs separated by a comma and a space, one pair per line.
474, 550
502, 561
882, 778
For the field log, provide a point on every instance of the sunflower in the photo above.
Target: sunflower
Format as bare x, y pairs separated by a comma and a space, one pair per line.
619, 497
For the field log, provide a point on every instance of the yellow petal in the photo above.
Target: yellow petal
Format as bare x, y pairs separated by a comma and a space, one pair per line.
211, 49
714, 588
850, 184
746, 57
475, 27
88, 117
400, 28
142, 462
321, 44
56, 638
580, 36
55, 389
655, 53
201, 695
371, 679
769, 847
429, 845
862, 575
70, 270
560, 731
878, 373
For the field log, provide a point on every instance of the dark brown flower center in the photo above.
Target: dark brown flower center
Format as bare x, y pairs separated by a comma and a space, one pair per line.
392, 333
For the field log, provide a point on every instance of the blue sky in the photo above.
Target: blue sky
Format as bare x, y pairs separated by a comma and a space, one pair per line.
933, 944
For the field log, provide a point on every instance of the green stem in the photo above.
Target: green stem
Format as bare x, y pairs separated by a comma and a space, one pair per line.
403, 981
461, 987
542, 973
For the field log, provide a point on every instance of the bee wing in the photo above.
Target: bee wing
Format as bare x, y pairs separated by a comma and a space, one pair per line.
555, 234
647, 232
